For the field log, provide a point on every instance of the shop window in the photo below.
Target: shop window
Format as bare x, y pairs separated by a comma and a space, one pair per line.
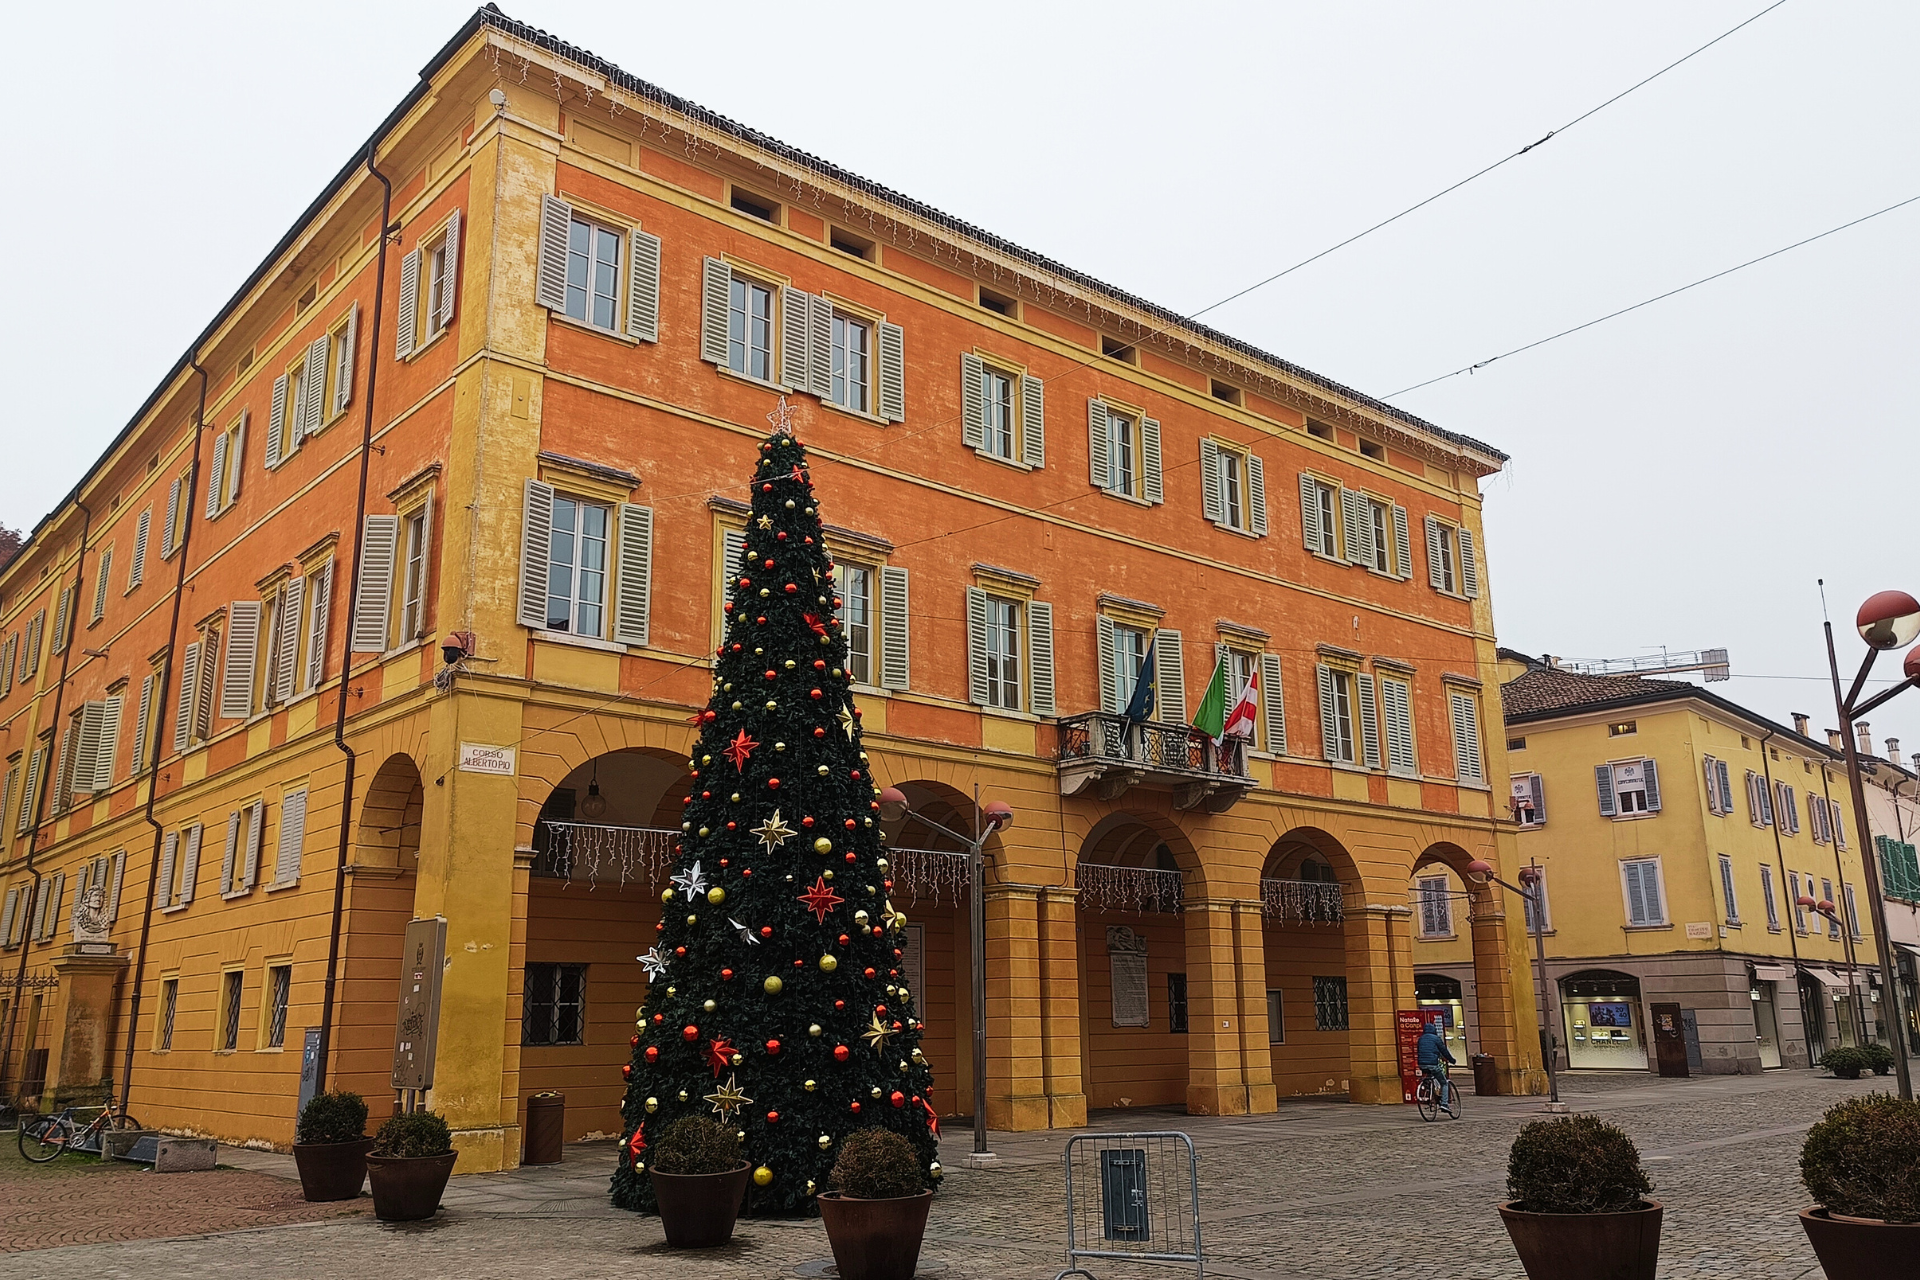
1603, 1022
554, 1007
1329, 1004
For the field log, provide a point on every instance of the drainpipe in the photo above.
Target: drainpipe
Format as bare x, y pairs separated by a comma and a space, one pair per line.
53, 759
346, 657
155, 728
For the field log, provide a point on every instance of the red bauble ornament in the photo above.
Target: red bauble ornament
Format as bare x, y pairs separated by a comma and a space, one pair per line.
855, 1108
728, 607
773, 1117
897, 1098
843, 939
819, 664
772, 674
818, 733
653, 1053
626, 1072
773, 1046
791, 588
634, 1043
766, 488
879, 1008
689, 1033
730, 826
806, 822
766, 931
782, 535
840, 1053
849, 856
660, 927
869, 973
769, 562
746, 871
849, 824
856, 775
727, 861
877, 931
679, 951
726, 975
818, 695
839, 1004
774, 783
762, 621
659, 1018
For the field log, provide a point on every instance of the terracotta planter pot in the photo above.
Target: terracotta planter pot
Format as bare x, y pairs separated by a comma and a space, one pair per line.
332, 1170
875, 1239
1586, 1246
698, 1209
1862, 1248
407, 1188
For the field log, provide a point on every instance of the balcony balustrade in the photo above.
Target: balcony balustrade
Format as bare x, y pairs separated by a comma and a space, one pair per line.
1110, 753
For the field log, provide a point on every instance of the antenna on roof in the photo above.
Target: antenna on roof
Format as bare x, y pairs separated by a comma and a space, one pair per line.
1711, 662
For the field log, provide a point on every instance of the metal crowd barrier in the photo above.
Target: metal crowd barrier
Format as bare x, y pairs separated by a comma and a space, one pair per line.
1133, 1196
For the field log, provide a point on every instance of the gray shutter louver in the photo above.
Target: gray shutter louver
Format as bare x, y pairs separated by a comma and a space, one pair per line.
106, 751
1170, 677
450, 282
1150, 487
1766, 801
1329, 713
1603, 783
1099, 449
118, 878
203, 688
100, 579
293, 838
1110, 700
62, 618
550, 276
976, 646
1436, 562
30, 660
1469, 565
142, 532
42, 889
895, 665
86, 756
169, 853
1033, 421
1353, 527
1636, 898
313, 395
1257, 494
143, 725
716, 292
8, 649
1839, 823
632, 605
173, 519
536, 538
1369, 721
54, 895
643, 286
1466, 739
243, 660
733, 547
1273, 703
1310, 514
1650, 888
1397, 700
63, 770
6, 916
973, 413
256, 821
36, 765
819, 379
1653, 787
217, 475
237, 457
276, 435
373, 602
794, 328
317, 625
228, 884
1040, 699
1402, 545
292, 599
1713, 792
343, 365
190, 863
893, 372
183, 713
406, 326
1210, 505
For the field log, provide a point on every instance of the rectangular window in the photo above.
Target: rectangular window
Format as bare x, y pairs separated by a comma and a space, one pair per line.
1336, 706
1628, 787
169, 1004
439, 307
1766, 890
1436, 908
855, 584
1826, 896
279, 987
1799, 912
1441, 554
1380, 516
750, 328
555, 1004
1129, 655
1329, 1004
1853, 911
577, 567
317, 601
593, 274
230, 992
852, 363
1645, 895
1276, 1018
1123, 467
1003, 654
414, 584
1326, 500
1233, 498
996, 408
1528, 811
1726, 889
1177, 1003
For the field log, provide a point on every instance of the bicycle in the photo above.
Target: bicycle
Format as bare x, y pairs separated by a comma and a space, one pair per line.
1435, 1094
43, 1138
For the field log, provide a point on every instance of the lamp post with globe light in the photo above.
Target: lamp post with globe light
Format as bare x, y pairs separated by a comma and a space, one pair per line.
988, 818
1532, 887
1888, 620
1826, 909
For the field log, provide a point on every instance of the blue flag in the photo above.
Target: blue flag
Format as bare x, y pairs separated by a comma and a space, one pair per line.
1145, 688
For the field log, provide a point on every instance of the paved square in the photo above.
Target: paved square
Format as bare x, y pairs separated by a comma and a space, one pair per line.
1321, 1189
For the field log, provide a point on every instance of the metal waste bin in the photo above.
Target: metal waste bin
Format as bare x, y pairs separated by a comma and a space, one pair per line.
1486, 1075
546, 1128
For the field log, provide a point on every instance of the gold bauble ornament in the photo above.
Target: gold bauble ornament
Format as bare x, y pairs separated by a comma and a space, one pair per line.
823, 845
810, 1185
762, 1176
828, 964
668, 895
693, 919
683, 1095
716, 895
810, 1086
814, 1029
653, 1104
709, 1006
825, 1140
773, 985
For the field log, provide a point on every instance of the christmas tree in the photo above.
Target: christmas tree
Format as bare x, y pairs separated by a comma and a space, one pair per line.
774, 997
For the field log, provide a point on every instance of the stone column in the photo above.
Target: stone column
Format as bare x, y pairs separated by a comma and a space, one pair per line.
1379, 980
1060, 1007
1216, 1069
1016, 1084
1250, 961
83, 1012
1499, 976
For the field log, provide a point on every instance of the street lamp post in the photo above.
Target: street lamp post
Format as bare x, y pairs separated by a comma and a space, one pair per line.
995, 815
1831, 912
1535, 893
1888, 620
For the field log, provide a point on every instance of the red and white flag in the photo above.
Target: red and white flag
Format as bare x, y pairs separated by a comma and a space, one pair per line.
1240, 719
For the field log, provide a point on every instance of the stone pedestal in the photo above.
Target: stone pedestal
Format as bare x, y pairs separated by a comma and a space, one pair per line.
83, 1012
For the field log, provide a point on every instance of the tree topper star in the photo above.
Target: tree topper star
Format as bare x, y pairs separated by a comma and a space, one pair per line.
782, 417
719, 1055
877, 1034
739, 749
820, 899
692, 882
747, 935
728, 1098
653, 962
774, 832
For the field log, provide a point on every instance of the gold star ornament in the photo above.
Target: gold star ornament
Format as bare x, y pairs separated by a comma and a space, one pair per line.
728, 1098
774, 832
766, 522
877, 1034
846, 721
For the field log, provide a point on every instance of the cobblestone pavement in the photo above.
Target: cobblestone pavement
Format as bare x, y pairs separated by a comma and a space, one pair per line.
1320, 1189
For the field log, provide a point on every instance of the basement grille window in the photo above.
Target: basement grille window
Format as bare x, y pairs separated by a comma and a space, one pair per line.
554, 1011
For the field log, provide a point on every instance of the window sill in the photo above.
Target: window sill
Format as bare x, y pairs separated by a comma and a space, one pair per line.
1773, 928
561, 317
237, 893
1225, 527
1636, 817
431, 342
1013, 464
1439, 937
1648, 928
579, 641
1005, 713
276, 887
272, 1048
859, 415
178, 906
1128, 497
400, 649
726, 372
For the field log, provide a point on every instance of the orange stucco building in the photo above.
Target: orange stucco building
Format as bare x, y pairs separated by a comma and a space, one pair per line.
525, 415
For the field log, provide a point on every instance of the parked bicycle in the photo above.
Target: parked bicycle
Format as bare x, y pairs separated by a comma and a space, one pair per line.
43, 1138
1435, 1094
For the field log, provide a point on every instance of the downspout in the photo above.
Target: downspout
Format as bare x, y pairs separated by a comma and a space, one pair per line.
154, 730
53, 759
346, 657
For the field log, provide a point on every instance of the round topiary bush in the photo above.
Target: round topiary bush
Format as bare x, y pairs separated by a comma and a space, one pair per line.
1863, 1159
878, 1164
332, 1117
1575, 1164
412, 1135
696, 1144
1845, 1062
1878, 1057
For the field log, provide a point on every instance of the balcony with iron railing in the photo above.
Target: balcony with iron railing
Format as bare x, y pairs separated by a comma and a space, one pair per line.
1110, 754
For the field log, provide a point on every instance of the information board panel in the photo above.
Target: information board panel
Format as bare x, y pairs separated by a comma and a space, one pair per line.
417, 1025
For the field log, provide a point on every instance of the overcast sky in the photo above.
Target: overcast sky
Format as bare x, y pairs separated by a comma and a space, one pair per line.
1680, 476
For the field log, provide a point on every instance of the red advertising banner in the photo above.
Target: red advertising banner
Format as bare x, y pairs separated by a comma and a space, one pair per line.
1409, 1023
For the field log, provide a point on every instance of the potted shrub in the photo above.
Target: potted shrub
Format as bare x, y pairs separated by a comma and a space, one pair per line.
1879, 1057
876, 1214
1845, 1062
699, 1180
330, 1146
1862, 1163
1579, 1210
409, 1166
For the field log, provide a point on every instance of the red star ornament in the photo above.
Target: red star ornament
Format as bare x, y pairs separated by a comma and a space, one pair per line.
798, 474
739, 749
638, 1143
719, 1055
933, 1118
820, 899
814, 624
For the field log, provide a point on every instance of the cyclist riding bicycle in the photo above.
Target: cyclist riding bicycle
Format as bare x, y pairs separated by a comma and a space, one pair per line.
1431, 1049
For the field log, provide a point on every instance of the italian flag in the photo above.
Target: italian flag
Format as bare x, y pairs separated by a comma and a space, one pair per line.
1217, 717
